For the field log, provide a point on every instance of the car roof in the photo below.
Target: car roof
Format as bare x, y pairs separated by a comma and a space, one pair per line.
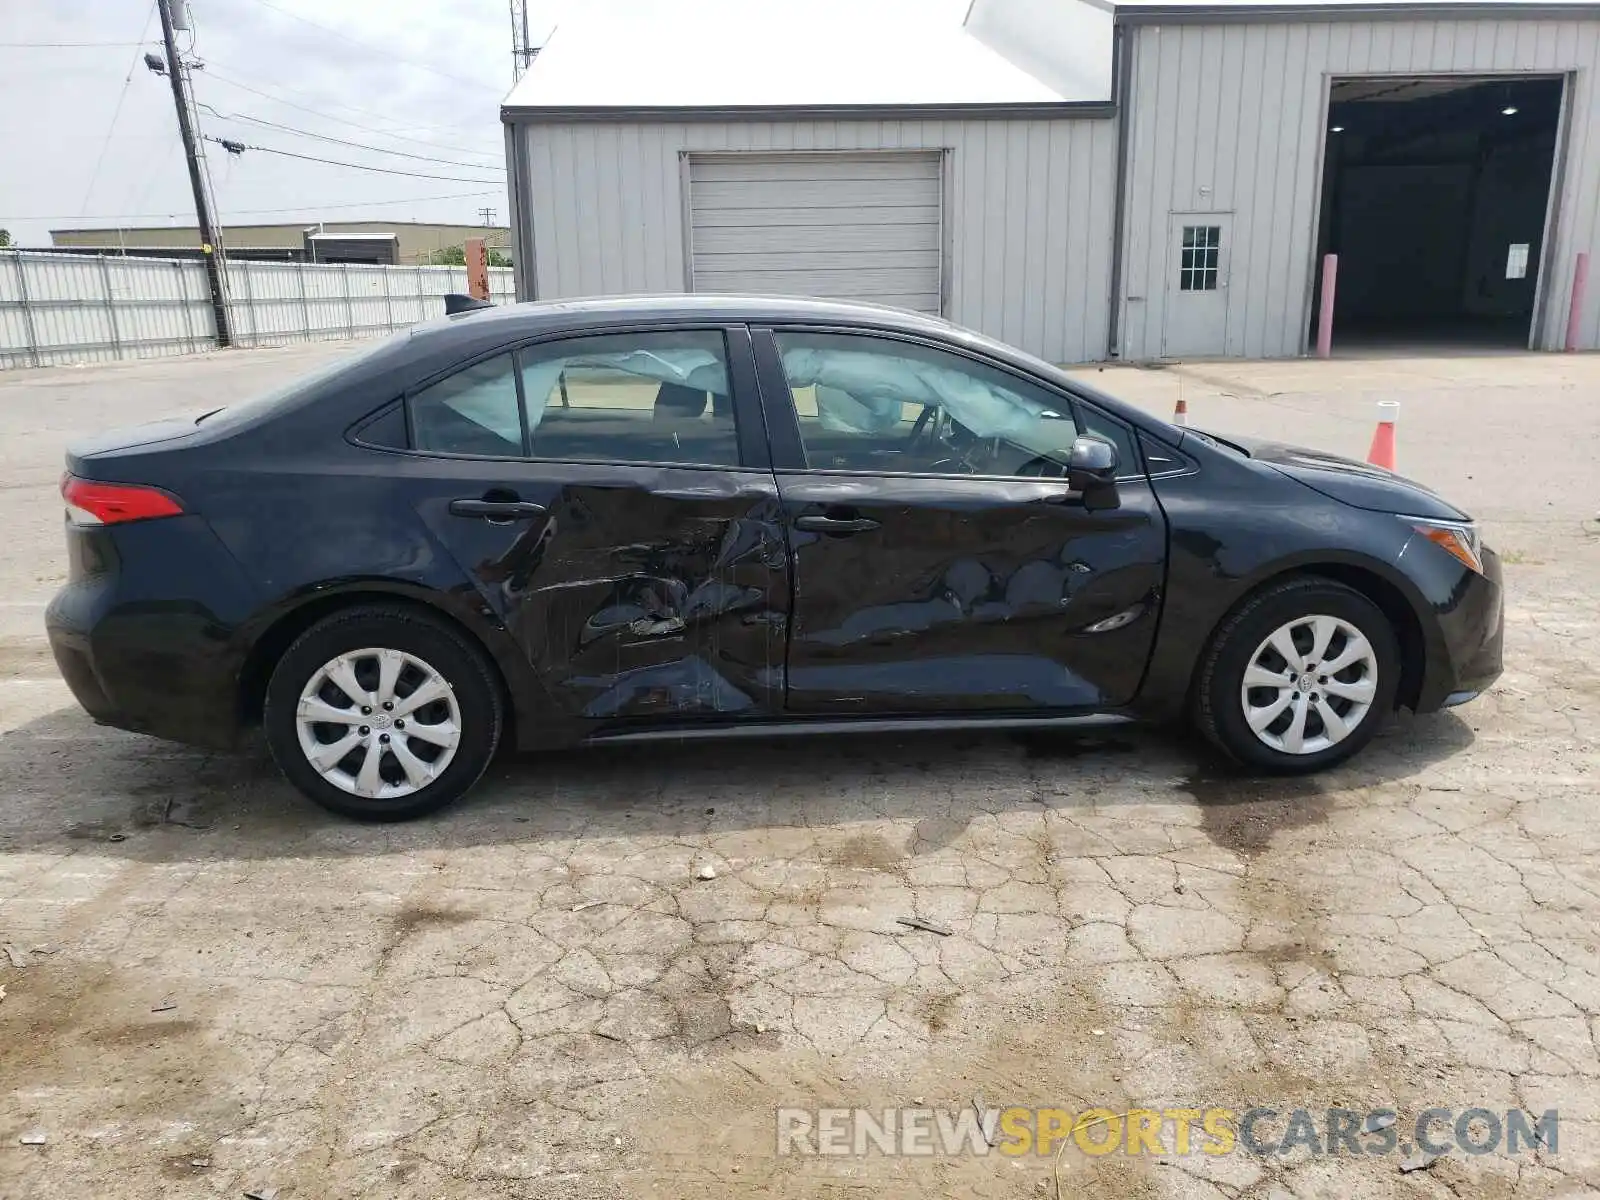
537, 316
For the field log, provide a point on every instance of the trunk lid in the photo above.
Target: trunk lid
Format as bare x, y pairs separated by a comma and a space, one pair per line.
102, 451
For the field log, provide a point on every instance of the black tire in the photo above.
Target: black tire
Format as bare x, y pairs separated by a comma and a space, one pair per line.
1218, 710
449, 652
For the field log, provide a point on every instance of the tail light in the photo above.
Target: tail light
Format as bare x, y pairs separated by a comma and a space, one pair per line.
92, 503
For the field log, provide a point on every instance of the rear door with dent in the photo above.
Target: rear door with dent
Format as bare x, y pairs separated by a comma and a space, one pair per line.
610, 497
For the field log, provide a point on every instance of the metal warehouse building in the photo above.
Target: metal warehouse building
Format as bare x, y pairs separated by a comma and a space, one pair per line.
1087, 182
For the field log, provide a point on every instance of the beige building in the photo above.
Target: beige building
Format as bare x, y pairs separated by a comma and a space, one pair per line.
417, 240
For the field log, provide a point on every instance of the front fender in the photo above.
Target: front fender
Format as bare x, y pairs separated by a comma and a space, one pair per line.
1223, 549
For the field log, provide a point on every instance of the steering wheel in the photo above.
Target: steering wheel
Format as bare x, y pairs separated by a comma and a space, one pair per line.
926, 429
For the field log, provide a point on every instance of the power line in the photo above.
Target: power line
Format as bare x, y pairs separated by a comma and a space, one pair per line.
316, 112
237, 147
67, 45
244, 212
252, 212
105, 145
322, 137
157, 165
388, 54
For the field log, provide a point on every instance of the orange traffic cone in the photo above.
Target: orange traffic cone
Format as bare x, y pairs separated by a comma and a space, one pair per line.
1382, 453
1180, 415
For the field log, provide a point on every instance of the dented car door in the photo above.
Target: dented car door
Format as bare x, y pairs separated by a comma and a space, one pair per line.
633, 545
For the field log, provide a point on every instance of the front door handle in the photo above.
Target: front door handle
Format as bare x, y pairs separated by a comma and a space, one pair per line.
821, 524
498, 511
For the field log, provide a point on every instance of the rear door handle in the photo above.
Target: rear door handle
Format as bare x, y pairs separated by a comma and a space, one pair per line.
820, 524
497, 510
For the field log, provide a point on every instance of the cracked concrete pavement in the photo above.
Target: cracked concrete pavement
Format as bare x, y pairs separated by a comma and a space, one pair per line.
535, 996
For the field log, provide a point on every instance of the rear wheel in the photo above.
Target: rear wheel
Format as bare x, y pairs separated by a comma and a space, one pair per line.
1301, 677
382, 713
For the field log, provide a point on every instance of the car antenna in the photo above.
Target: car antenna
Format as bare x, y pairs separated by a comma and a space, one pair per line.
455, 303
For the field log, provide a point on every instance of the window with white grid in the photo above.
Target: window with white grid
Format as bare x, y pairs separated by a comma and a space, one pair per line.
1199, 258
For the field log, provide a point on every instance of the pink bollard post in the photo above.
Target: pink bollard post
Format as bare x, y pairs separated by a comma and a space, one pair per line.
1580, 280
1330, 276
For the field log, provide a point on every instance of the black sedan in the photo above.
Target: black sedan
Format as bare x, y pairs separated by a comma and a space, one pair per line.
700, 517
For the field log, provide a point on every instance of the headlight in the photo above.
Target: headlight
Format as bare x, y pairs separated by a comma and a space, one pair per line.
1458, 537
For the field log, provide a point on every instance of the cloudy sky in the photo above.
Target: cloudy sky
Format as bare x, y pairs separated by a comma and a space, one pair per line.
419, 78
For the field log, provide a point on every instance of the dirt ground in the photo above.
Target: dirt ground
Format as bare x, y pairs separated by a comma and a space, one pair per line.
211, 986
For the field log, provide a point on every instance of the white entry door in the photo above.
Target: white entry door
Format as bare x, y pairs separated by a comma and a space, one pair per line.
1195, 316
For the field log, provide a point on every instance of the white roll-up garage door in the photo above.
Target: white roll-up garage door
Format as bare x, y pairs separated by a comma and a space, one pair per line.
847, 226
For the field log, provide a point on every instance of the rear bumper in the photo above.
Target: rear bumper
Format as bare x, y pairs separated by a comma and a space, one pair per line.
142, 634
1465, 657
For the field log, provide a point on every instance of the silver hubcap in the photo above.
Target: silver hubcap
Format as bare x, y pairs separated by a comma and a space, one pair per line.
378, 723
1309, 684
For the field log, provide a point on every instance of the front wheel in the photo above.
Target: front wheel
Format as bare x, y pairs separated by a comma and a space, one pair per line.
1300, 677
382, 713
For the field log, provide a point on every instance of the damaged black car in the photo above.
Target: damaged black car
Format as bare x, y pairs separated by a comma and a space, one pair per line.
697, 517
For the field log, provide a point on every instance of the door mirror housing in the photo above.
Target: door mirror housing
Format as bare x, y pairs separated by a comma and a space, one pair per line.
1092, 470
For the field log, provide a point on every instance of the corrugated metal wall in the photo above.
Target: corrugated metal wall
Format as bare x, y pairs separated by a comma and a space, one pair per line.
1029, 204
1229, 118
57, 309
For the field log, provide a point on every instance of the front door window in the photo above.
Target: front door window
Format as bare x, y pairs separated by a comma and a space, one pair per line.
884, 406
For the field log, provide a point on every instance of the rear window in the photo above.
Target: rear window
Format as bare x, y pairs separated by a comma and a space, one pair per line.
287, 393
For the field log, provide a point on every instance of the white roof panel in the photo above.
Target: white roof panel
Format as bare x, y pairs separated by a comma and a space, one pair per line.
716, 53
686, 54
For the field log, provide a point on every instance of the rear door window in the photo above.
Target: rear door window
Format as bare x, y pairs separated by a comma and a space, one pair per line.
631, 398
474, 411
659, 397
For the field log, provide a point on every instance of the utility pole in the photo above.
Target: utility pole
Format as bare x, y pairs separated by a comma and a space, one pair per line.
487, 215
202, 205
522, 49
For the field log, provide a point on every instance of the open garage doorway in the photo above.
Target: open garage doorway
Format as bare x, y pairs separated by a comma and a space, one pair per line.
1435, 194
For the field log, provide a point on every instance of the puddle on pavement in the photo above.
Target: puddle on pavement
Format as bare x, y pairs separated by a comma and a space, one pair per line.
1243, 814
866, 851
1065, 745
142, 1033
164, 808
935, 833
939, 1010
82, 1040
415, 917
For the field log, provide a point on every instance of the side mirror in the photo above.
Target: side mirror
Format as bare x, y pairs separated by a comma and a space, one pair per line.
1092, 466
